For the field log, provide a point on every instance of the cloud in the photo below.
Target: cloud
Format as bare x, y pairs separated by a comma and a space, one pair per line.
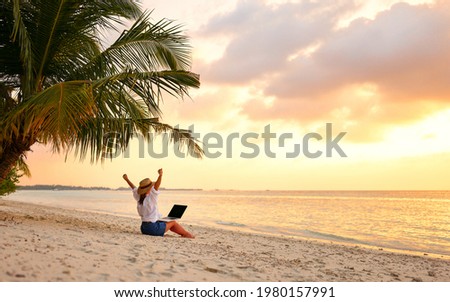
405, 51
368, 76
263, 36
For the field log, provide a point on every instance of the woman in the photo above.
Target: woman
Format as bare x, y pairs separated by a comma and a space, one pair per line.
147, 206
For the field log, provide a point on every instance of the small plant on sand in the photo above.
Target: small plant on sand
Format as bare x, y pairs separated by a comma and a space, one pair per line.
9, 184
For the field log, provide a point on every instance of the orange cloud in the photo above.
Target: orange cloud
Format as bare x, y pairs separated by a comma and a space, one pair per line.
402, 55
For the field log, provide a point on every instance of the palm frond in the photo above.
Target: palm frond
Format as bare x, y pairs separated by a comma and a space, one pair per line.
167, 43
53, 115
21, 34
10, 62
59, 87
22, 166
103, 138
148, 86
57, 31
117, 11
7, 102
144, 47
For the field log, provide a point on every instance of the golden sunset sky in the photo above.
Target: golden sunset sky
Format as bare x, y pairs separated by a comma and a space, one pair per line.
377, 70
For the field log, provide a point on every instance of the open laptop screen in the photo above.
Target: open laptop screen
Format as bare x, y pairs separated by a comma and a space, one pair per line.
177, 211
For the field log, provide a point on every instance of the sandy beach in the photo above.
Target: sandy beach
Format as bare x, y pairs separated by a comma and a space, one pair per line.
40, 243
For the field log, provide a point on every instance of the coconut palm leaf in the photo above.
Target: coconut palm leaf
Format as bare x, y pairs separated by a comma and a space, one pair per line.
106, 138
144, 47
148, 86
51, 115
59, 86
70, 110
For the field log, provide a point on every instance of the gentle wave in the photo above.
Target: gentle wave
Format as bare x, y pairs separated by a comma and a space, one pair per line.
334, 237
230, 223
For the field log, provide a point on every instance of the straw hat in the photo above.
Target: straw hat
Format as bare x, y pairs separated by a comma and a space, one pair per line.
144, 186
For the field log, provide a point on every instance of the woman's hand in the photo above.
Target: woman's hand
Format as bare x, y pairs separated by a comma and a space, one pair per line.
128, 181
158, 181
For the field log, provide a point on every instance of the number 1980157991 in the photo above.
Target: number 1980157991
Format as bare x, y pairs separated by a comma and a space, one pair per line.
295, 292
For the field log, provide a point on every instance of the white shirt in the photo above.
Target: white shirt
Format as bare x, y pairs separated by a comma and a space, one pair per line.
148, 210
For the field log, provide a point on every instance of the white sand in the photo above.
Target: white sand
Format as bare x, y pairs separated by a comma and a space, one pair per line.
41, 243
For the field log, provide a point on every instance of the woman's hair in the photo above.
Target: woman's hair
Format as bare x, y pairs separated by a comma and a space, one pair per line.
141, 198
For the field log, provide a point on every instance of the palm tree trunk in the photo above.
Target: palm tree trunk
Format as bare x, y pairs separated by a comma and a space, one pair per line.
9, 157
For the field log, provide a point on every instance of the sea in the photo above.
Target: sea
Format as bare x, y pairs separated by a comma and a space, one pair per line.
409, 221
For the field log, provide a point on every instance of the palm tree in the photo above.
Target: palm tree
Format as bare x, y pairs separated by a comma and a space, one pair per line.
59, 86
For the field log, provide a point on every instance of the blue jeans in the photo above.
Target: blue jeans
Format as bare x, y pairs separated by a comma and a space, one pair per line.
153, 228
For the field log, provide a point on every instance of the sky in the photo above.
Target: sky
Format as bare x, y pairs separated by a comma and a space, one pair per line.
356, 96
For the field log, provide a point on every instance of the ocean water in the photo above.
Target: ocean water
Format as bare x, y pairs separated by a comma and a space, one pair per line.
414, 221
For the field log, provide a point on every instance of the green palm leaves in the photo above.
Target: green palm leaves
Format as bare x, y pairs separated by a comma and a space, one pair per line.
60, 87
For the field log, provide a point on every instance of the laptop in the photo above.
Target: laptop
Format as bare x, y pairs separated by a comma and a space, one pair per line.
174, 214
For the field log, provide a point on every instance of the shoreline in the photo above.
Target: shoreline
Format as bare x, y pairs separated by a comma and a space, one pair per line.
232, 228
409, 234
42, 243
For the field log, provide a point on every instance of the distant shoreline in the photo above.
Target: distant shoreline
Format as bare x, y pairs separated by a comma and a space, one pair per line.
81, 188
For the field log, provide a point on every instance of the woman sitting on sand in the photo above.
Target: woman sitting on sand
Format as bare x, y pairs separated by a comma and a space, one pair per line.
147, 206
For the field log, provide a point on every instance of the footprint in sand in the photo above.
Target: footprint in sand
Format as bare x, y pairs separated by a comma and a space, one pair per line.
132, 259
212, 270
